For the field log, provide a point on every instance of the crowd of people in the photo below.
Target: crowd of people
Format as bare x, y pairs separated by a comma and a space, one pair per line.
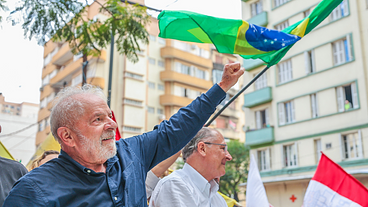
92, 169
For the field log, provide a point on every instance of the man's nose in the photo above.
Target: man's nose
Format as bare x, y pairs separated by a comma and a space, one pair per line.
228, 156
111, 124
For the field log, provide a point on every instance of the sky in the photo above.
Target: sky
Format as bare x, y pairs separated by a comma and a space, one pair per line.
21, 59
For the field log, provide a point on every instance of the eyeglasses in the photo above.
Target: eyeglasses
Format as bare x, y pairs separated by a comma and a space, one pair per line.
225, 149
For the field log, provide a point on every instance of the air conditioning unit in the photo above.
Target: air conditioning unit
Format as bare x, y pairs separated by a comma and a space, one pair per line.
161, 117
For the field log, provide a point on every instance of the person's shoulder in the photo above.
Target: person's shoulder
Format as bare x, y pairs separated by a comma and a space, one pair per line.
15, 165
174, 178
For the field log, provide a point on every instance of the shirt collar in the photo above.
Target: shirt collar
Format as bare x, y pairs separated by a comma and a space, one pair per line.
208, 188
109, 163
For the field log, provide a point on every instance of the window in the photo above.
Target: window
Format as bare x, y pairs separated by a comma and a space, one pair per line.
161, 41
184, 92
181, 45
314, 105
264, 159
278, 3
77, 80
200, 74
306, 13
135, 76
152, 61
282, 25
77, 56
285, 71
261, 82
262, 119
161, 63
160, 111
347, 97
340, 11
310, 66
132, 129
41, 125
290, 155
216, 76
53, 74
318, 148
256, 8
132, 102
152, 38
45, 80
150, 110
160, 87
342, 51
43, 103
351, 145
286, 112
151, 85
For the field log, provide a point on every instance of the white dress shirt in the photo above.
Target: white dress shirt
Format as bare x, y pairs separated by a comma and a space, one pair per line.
151, 182
186, 188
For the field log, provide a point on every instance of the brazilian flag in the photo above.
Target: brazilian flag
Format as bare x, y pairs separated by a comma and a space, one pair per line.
239, 37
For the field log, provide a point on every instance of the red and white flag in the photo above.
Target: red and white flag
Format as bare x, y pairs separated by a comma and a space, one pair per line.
332, 186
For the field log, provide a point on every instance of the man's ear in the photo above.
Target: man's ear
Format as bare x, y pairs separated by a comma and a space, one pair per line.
201, 148
66, 136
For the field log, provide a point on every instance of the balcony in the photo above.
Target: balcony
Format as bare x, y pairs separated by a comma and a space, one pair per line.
66, 74
258, 97
250, 64
261, 19
185, 79
171, 52
172, 100
43, 113
63, 55
260, 136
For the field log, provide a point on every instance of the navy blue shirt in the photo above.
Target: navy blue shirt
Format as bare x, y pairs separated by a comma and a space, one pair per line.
65, 182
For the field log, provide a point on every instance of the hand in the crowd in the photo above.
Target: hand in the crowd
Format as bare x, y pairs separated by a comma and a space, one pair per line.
231, 74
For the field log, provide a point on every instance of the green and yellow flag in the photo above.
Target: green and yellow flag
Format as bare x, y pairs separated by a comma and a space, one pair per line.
239, 37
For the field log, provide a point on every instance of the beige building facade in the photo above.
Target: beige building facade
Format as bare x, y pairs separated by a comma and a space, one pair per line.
313, 100
168, 76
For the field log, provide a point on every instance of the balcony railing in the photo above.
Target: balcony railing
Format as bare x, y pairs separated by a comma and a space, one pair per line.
258, 97
259, 136
260, 19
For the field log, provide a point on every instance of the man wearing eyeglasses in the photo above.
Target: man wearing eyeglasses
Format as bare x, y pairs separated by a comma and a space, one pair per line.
196, 184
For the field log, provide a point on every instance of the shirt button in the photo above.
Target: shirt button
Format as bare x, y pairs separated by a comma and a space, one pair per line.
116, 198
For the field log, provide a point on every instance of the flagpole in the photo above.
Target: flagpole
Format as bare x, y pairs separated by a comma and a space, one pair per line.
236, 96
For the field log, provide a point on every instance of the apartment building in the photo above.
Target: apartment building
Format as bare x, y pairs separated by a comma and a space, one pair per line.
230, 123
313, 101
18, 129
168, 76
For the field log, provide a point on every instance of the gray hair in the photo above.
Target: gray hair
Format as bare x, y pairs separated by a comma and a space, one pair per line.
205, 134
66, 109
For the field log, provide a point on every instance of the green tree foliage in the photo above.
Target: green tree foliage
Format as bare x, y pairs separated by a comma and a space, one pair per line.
2, 8
236, 169
67, 20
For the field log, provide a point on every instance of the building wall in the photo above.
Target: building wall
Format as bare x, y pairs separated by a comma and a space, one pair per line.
306, 132
19, 128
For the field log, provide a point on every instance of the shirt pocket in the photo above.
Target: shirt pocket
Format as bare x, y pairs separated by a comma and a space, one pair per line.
134, 192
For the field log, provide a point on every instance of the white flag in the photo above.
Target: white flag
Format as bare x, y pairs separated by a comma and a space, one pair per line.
256, 193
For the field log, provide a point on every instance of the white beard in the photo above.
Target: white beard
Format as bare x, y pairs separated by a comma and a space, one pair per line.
100, 151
